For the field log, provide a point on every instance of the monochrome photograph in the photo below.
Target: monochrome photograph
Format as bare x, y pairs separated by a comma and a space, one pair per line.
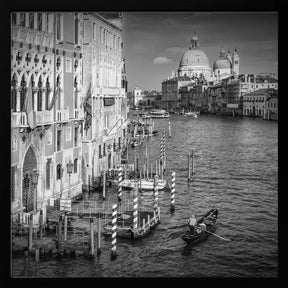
144, 144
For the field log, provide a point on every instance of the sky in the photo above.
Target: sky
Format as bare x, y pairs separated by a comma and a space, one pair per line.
154, 42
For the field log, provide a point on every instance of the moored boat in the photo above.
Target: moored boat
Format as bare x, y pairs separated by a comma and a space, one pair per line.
158, 114
146, 184
199, 234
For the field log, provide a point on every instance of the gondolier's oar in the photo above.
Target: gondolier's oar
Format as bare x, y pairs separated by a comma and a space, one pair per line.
217, 236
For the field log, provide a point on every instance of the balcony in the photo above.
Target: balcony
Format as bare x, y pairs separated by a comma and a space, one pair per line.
44, 117
78, 114
62, 115
19, 120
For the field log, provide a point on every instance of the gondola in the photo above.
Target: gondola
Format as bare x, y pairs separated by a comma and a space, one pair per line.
198, 234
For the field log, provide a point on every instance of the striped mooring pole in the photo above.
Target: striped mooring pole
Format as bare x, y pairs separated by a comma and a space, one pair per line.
169, 129
114, 231
119, 184
173, 192
155, 194
164, 151
135, 209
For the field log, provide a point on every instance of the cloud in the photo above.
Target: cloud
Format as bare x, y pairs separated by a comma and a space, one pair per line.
162, 60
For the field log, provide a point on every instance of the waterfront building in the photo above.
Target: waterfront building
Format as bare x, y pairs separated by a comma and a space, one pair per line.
261, 103
105, 103
137, 96
149, 99
46, 117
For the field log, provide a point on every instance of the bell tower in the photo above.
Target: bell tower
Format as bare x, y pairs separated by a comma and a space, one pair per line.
235, 62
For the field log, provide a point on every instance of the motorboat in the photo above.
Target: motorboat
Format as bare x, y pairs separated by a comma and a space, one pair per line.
144, 184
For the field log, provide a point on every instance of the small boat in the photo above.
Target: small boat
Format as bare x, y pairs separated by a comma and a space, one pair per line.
198, 234
146, 184
158, 114
192, 113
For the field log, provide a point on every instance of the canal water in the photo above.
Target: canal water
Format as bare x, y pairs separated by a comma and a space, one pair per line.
236, 171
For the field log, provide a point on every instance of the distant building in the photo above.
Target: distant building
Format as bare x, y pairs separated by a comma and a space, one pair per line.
137, 96
261, 103
226, 65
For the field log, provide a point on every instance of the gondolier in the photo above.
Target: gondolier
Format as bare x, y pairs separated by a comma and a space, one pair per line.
192, 222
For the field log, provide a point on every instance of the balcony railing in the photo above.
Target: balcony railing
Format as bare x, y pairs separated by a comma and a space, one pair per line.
19, 119
44, 117
62, 115
78, 114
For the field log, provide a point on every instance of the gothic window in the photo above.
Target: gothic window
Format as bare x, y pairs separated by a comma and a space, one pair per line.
104, 149
119, 142
75, 165
23, 91
48, 169
14, 94
101, 34
76, 136
22, 19
58, 171
59, 140
76, 94
100, 154
48, 91
39, 95
39, 21
31, 20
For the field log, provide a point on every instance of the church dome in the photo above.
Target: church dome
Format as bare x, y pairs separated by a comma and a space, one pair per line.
222, 64
194, 57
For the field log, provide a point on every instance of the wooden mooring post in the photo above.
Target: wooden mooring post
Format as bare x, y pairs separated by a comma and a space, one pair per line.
30, 239
59, 246
173, 192
114, 231
99, 235
92, 237
189, 167
40, 224
65, 226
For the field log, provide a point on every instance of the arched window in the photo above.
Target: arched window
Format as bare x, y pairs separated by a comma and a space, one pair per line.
48, 91
75, 165
23, 92
39, 95
14, 94
58, 171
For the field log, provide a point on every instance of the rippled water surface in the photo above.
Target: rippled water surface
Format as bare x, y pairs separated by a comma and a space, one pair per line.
236, 171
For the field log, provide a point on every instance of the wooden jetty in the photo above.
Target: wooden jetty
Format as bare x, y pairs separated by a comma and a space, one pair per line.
148, 219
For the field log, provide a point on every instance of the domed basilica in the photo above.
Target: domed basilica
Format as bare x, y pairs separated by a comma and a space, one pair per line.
195, 63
